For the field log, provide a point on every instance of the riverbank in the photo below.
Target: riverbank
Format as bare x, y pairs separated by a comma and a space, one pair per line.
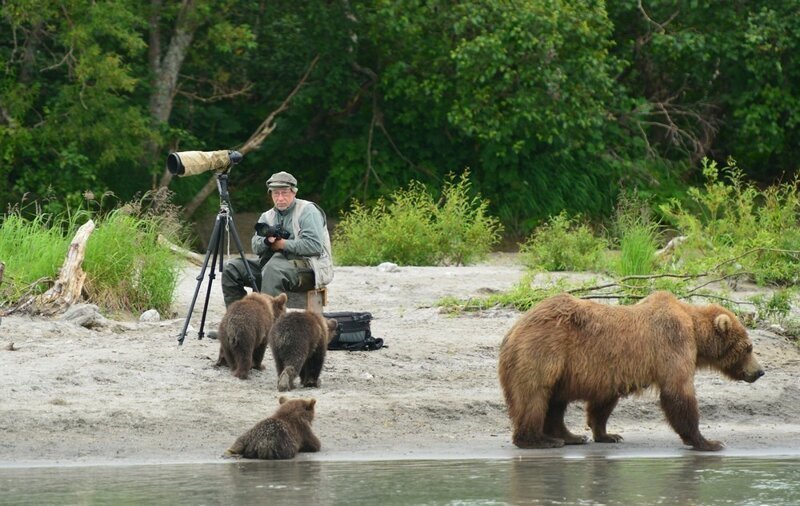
124, 392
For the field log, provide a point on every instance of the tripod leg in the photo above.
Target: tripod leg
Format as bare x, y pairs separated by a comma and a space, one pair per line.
238, 243
212, 243
218, 253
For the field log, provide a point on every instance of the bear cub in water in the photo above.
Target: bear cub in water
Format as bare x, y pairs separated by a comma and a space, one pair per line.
280, 436
244, 329
298, 341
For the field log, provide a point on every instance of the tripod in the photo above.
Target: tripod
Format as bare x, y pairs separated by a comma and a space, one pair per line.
215, 250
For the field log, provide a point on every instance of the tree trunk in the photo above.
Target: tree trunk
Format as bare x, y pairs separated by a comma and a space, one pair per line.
166, 70
69, 285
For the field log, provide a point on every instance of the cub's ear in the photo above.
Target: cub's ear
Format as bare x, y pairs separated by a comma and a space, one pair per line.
282, 399
310, 404
280, 300
722, 323
332, 324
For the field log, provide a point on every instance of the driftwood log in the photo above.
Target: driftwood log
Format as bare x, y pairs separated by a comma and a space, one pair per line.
68, 287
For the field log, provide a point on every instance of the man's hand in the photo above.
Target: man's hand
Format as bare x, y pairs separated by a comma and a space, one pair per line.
275, 244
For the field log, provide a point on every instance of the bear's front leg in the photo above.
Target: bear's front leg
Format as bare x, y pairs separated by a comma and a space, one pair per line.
683, 415
597, 413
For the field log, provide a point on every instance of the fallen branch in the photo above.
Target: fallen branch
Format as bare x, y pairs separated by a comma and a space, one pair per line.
193, 257
254, 142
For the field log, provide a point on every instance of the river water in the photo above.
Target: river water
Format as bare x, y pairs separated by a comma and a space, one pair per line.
686, 480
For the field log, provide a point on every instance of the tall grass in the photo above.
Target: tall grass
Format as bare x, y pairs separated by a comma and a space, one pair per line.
126, 267
33, 251
638, 237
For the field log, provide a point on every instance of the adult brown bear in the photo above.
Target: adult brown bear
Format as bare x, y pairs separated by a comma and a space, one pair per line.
566, 349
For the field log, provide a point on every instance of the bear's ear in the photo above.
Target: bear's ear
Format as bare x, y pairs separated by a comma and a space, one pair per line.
282, 399
310, 404
280, 300
332, 324
722, 323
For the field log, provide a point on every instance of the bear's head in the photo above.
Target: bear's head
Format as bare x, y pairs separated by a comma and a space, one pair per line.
276, 306
300, 408
332, 326
730, 349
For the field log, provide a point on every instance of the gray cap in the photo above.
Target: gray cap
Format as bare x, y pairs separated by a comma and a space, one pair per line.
282, 180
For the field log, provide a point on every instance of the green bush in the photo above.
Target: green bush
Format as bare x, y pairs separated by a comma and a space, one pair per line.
731, 218
563, 244
409, 228
465, 231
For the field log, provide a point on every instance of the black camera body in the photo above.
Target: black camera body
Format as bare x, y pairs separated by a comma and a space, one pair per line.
267, 230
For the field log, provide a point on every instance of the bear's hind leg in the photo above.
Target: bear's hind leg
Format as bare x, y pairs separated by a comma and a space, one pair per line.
529, 422
286, 379
244, 361
597, 413
221, 361
312, 368
554, 424
258, 355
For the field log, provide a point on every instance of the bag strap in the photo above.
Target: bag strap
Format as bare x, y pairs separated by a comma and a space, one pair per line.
368, 344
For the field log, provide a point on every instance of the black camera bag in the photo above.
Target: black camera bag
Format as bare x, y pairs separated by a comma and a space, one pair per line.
353, 332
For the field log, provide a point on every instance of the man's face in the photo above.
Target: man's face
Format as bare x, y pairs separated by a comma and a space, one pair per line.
282, 198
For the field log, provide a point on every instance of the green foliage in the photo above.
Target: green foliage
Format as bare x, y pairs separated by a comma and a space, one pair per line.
732, 218
774, 306
565, 102
409, 228
563, 244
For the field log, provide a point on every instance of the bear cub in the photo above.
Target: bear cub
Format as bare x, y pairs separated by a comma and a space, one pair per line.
298, 341
244, 329
280, 436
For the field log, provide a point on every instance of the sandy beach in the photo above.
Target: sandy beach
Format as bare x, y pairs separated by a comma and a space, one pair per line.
124, 392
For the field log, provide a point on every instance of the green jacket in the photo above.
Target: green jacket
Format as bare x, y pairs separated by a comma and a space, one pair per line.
308, 237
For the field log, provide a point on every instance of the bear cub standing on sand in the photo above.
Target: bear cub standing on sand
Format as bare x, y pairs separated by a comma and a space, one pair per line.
280, 436
244, 329
298, 341
566, 349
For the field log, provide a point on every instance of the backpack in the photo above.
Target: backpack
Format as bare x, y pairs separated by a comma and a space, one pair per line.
353, 332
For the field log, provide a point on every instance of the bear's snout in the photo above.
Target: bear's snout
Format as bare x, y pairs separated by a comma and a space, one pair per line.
752, 376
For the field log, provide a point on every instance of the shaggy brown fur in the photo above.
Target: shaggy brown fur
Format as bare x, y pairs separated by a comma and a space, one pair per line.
244, 329
566, 349
298, 342
280, 436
